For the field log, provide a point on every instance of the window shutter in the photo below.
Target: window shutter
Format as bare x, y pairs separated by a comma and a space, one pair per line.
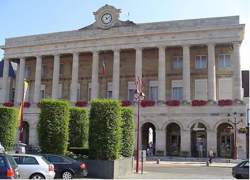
201, 89
225, 88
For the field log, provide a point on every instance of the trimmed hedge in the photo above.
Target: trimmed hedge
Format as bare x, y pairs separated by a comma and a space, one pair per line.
8, 126
53, 126
78, 127
128, 132
105, 129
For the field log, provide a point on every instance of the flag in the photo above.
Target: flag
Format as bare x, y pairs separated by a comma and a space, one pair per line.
103, 67
20, 114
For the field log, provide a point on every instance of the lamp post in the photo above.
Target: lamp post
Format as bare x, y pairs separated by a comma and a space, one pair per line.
235, 122
139, 96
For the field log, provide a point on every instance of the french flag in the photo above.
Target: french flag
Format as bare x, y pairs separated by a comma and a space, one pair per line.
103, 67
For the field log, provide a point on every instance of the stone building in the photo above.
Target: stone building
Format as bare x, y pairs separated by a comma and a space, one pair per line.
190, 70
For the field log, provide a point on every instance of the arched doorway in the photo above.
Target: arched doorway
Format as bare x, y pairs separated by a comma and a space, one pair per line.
198, 140
173, 139
26, 131
225, 140
148, 137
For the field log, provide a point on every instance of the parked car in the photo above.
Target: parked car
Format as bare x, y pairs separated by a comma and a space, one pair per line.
34, 166
8, 167
66, 167
241, 170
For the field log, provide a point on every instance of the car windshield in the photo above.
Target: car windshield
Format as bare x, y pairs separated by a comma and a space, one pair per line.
12, 162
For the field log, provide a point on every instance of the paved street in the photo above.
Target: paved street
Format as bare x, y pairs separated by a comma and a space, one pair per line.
182, 171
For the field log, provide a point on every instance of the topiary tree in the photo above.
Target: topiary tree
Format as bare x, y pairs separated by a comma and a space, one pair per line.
105, 129
53, 126
8, 126
128, 132
78, 127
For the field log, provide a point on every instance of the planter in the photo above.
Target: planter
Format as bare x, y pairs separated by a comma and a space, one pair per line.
81, 103
173, 103
225, 102
8, 104
126, 103
110, 169
147, 103
199, 103
26, 104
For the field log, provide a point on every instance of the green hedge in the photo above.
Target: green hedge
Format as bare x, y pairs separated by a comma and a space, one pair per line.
8, 127
105, 129
53, 126
78, 127
128, 132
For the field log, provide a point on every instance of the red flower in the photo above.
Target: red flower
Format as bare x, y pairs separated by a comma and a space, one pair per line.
199, 103
147, 103
126, 103
81, 103
225, 102
26, 104
173, 103
8, 104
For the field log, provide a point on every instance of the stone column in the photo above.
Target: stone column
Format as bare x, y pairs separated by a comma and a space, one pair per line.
138, 63
16, 82
160, 141
162, 74
5, 87
186, 72
237, 84
95, 74
55, 83
186, 141
211, 73
37, 89
211, 141
74, 81
116, 74
20, 80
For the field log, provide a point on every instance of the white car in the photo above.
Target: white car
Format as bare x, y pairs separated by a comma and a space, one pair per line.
34, 167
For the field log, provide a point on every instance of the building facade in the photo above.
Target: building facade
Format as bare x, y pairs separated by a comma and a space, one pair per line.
190, 71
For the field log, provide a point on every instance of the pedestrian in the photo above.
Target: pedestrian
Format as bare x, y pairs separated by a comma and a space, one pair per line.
211, 155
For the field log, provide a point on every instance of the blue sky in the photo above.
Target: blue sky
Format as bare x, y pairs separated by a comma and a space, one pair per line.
28, 17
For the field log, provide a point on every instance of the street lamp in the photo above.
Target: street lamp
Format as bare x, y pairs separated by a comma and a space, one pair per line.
235, 122
139, 96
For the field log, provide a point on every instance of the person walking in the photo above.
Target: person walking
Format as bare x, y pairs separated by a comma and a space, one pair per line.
211, 155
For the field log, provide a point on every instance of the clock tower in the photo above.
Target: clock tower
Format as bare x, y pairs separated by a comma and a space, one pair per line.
107, 16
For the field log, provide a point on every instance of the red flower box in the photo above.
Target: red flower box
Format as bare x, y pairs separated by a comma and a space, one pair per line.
147, 103
199, 103
26, 104
126, 103
81, 103
8, 104
225, 102
173, 103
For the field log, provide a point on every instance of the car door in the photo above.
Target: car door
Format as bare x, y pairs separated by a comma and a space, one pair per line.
60, 163
245, 170
27, 165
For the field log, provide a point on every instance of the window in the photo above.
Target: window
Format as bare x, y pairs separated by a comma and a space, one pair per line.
25, 160
109, 90
177, 89
177, 93
42, 91
57, 159
131, 91
153, 90
27, 72
78, 91
89, 91
225, 88
61, 69
2, 162
224, 61
201, 89
201, 62
177, 62
43, 70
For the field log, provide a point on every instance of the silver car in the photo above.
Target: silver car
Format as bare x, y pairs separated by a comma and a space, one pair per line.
34, 167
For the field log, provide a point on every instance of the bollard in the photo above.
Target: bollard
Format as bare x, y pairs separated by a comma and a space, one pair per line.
158, 161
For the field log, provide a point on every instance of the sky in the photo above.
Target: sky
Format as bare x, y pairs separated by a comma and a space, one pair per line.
29, 17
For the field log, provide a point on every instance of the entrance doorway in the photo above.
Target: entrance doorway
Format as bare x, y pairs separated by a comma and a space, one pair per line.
225, 140
25, 134
198, 140
173, 139
148, 138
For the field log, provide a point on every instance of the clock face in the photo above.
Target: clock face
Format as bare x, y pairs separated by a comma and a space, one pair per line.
106, 18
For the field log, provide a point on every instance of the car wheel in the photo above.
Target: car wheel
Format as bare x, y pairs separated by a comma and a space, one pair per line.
238, 176
37, 176
67, 175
